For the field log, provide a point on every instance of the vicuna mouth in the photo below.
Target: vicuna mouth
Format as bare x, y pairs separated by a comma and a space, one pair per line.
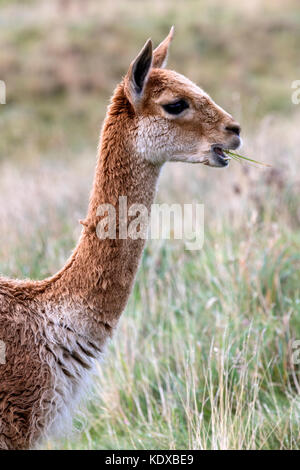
220, 158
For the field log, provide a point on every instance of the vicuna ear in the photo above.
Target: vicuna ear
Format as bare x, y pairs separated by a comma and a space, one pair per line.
160, 54
138, 73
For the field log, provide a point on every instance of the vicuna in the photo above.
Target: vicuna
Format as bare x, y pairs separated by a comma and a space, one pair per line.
54, 330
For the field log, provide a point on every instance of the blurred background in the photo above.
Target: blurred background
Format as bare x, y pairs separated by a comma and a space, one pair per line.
211, 367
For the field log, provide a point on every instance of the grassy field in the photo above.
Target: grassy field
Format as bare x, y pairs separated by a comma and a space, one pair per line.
202, 357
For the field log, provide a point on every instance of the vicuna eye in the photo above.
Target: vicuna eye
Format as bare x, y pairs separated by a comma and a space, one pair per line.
177, 107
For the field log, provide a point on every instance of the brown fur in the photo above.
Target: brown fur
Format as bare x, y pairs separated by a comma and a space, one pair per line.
54, 329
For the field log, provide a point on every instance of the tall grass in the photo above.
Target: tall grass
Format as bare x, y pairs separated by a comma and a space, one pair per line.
203, 354
202, 358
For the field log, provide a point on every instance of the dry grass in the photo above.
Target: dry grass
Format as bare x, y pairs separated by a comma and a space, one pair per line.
202, 358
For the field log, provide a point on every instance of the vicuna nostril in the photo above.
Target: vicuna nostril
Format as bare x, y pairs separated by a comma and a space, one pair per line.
235, 129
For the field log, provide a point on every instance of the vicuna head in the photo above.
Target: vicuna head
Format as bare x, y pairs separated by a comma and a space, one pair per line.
175, 119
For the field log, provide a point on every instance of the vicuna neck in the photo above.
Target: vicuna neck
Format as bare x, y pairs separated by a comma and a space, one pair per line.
100, 274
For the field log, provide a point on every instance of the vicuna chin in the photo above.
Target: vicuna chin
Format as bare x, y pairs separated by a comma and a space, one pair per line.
55, 330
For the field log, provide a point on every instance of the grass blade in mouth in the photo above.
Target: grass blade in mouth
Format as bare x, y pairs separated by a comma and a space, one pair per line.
238, 157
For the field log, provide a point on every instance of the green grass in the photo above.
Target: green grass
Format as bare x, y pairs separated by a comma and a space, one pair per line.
243, 159
202, 358
203, 354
